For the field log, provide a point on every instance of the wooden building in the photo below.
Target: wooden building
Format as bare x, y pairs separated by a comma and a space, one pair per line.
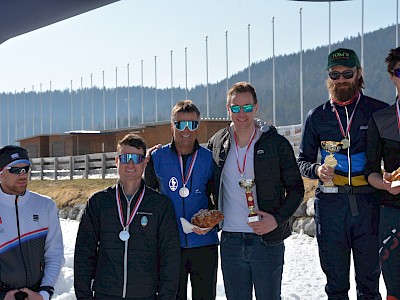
88, 142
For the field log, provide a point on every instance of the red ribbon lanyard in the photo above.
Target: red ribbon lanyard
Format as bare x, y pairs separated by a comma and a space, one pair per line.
241, 171
133, 213
185, 180
350, 121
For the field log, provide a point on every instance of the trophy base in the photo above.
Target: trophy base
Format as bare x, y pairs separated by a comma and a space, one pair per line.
251, 219
328, 189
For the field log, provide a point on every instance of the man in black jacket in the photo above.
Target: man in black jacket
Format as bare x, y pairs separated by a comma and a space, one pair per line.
127, 246
259, 188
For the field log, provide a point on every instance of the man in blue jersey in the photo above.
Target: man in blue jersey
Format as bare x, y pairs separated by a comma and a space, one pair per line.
183, 170
346, 206
31, 246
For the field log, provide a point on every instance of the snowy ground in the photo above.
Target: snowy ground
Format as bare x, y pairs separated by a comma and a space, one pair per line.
302, 274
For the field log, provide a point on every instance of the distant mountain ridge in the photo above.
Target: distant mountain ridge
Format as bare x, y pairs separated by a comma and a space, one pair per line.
29, 114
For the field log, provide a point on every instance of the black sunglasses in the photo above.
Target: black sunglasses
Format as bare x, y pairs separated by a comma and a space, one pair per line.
346, 74
396, 72
19, 170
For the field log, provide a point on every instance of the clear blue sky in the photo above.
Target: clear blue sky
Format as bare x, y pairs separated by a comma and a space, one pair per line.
133, 30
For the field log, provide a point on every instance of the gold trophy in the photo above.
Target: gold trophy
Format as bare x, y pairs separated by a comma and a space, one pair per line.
330, 161
248, 184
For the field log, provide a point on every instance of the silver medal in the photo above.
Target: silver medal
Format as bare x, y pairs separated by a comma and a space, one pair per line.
345, 143
184, 192
124, 235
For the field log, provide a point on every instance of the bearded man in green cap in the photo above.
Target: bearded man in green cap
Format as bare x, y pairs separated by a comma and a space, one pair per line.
346, 206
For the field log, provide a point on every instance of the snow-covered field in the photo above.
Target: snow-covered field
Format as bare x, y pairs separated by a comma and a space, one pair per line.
302, 274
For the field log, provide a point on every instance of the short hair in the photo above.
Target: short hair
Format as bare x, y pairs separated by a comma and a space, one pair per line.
184, 106
241, 87
133, 140
392, 59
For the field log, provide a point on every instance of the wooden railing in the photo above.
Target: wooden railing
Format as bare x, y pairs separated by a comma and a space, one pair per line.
81, 166
103, 164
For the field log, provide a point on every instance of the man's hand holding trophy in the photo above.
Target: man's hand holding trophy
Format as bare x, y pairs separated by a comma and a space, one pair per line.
326, 171
248, 184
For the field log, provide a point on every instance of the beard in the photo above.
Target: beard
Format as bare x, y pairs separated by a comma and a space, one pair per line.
342, 91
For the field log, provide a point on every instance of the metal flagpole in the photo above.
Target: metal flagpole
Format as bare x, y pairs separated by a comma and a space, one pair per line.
141, 64
81, 102
362, 34
397, 23
227, 64
50, 119
155, 83
273, 72
116, 97
248, 44
329, 29
172, 83
301, 68
91, 98
8, 120
129, 101
208, 115
33, 109
15, 116
72, 119
24, 115
41, 110
104, 105
186, 77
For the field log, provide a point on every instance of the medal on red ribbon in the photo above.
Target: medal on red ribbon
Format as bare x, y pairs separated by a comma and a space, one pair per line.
184, 191
124, 234
345, 141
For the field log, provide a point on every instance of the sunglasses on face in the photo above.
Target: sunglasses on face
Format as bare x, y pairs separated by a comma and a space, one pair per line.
396, 72
126, 157
246, 108
191, 125
19, 170
346, 74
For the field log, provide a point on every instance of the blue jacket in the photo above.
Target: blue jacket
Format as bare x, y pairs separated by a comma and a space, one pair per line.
163, 173
321, 125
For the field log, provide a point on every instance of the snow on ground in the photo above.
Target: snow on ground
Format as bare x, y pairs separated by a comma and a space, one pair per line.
302, 274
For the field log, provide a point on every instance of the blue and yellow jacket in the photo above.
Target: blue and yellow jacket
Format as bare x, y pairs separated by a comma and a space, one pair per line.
321, 124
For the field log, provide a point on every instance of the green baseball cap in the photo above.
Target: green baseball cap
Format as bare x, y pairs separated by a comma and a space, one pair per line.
343, 57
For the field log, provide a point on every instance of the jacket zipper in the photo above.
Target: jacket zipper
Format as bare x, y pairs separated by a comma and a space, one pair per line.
128, 212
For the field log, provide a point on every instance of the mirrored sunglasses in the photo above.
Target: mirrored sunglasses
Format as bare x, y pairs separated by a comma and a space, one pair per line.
346, 74
19, 170
246, 108
191, 125
126, 157
396, 72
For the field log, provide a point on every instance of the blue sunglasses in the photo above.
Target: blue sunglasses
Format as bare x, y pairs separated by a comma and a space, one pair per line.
396, 72
246, 108
191, 125
126, 157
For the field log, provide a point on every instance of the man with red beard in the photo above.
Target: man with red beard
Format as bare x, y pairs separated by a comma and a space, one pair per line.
346, 206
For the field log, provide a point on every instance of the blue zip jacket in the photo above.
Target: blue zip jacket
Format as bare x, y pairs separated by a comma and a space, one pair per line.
321, 125
163, 173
